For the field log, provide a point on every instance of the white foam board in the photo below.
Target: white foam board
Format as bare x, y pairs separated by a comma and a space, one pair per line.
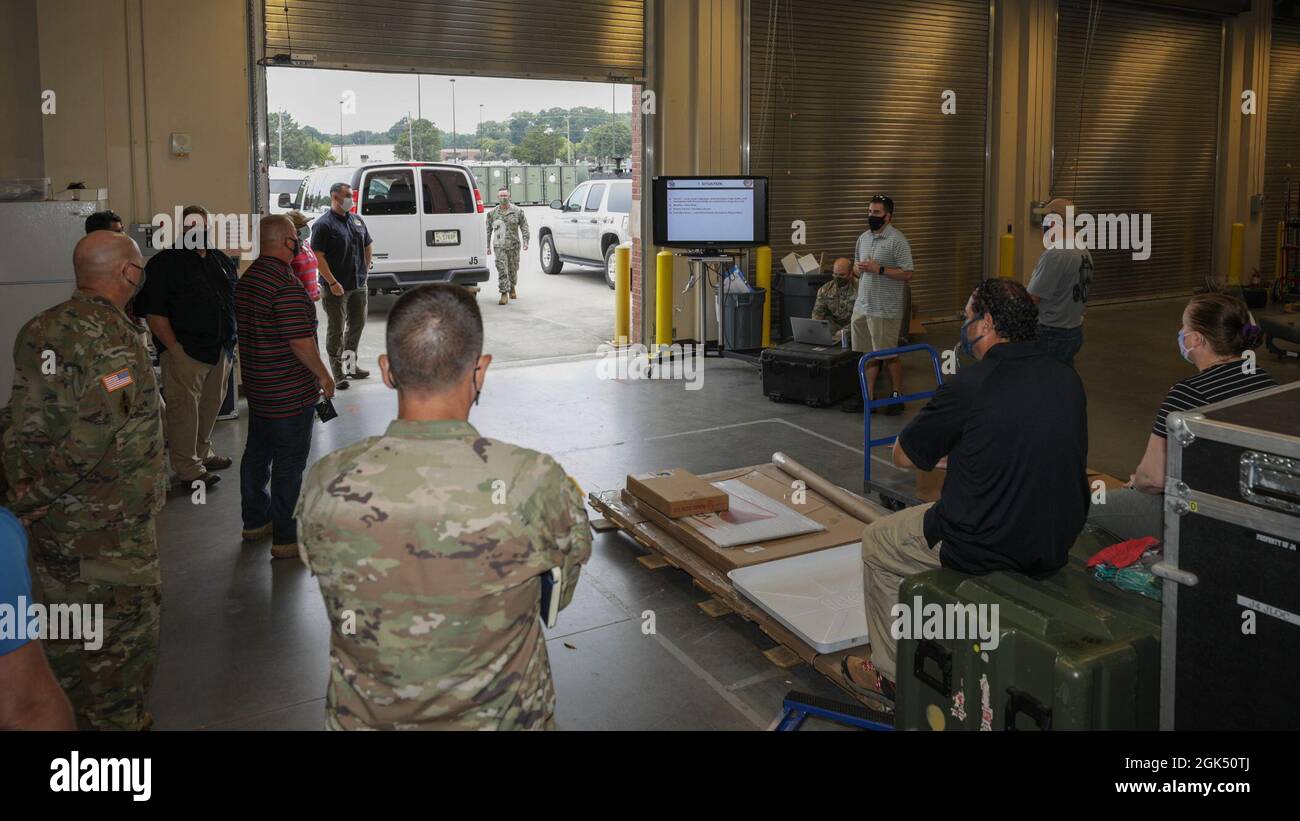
817, 596
750, 517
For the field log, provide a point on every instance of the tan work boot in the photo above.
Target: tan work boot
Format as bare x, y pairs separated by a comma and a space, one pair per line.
504, 298
284, 551
257, 533
513, 295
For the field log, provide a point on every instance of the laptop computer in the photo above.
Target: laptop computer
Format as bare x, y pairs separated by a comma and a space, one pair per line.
811, 331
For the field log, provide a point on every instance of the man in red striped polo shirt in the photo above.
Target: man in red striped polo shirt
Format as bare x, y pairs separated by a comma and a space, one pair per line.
283, 378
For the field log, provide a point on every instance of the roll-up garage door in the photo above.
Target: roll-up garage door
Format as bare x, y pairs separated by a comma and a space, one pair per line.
1282, 144
1136, 132
551, 39
845, 102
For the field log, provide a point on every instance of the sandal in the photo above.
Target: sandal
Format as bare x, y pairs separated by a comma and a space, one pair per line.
883, 689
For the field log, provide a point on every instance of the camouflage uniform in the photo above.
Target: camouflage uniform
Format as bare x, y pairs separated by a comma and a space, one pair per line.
87, 442
440, 578
835, 302
504, 228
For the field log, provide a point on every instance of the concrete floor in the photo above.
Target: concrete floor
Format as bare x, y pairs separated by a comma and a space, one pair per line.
245, 640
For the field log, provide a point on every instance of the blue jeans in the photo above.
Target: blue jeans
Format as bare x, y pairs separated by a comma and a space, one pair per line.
1061, 343
276, 450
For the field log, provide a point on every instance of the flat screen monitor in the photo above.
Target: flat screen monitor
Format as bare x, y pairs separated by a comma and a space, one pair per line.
710, 212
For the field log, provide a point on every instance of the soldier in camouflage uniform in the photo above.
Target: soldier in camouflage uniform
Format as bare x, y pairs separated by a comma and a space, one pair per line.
83, 455
505, 224
430, 542
835, 299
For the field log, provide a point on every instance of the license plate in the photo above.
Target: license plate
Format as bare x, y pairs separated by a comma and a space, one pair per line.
446, 237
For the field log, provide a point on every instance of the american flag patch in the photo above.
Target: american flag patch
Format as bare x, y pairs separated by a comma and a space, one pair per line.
116, 381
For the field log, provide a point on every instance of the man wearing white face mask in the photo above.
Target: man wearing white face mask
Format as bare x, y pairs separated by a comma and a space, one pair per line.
342, 245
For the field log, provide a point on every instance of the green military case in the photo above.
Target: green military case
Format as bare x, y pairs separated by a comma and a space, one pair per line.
1073, 654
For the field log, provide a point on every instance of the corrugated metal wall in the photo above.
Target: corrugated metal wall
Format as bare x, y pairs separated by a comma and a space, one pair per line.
551, 39
1138, 133
845, 103
1282, 144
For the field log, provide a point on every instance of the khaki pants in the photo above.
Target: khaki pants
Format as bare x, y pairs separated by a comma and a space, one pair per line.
893, 548
874, 333
194, 392
345, 318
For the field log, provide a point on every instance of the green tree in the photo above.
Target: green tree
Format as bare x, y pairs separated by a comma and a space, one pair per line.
493, 130
538, 147
294, 145
427, 140
519, 124
604, 142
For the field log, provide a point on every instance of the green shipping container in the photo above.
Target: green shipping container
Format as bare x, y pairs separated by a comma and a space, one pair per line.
568, 180
551, 186
1073, 653
534, 191
516, 179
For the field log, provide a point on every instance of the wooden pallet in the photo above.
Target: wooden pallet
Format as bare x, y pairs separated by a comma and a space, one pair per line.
667, 550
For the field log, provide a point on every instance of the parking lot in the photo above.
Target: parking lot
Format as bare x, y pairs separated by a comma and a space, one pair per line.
564, 315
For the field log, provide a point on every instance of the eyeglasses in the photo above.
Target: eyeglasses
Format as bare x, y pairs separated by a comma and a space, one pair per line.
885, 201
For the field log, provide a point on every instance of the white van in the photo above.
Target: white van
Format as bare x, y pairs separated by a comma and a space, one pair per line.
426, 220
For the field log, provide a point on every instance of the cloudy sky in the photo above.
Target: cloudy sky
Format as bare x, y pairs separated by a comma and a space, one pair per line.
312, 97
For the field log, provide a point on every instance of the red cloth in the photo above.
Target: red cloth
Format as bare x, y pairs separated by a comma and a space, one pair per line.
1124, 553
305, 268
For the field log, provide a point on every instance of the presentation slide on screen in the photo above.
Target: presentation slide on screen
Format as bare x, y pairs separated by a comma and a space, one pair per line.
710, 211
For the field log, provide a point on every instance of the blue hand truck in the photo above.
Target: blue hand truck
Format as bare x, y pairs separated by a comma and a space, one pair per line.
890, 497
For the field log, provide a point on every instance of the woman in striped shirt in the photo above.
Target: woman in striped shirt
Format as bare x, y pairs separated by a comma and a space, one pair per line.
1217, 331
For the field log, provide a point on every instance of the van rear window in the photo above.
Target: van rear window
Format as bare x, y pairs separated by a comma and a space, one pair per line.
447, 191
388, 192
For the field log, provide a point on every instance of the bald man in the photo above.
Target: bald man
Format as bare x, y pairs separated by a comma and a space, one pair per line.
284, 378
83, 454
1059, 286
835, 299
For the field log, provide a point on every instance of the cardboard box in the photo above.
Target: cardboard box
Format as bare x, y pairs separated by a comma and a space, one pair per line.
802, 265
676, 493
1109, 481
840, 527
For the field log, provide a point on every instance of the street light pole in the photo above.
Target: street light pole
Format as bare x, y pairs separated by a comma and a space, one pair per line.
454, 152
340, 132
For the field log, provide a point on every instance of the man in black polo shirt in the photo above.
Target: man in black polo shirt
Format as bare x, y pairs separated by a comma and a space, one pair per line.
188, 300
342, 246
1013, 428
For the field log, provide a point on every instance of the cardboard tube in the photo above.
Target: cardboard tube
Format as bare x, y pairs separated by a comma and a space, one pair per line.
856, 505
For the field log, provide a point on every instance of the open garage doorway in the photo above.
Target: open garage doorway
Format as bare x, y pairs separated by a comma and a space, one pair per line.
427, 156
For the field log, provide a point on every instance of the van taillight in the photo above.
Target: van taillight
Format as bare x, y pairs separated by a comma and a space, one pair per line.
478, 200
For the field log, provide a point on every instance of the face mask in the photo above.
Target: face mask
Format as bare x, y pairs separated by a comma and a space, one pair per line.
1182, 347
347, 203
297, 246
478, 391
304, 232
137, 286
876, 223
968, 344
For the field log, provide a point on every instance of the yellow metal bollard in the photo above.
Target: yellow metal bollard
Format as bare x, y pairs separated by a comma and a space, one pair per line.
763, 279
1236, 252
1007, 254
664, 298
622, 294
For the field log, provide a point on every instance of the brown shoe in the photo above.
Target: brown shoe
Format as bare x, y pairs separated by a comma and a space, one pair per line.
218, 463
256, 533
505, 298
513, 295
208, 480
284, 551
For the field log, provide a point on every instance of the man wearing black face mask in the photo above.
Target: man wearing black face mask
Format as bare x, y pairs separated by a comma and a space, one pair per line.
1013, 428
189, 303
884, 266
283, 378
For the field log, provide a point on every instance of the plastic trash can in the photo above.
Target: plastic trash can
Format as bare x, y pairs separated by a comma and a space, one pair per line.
742, 325
798, 296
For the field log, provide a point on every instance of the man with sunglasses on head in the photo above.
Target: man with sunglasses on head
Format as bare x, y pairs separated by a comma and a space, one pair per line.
83, 457
442, 541
884, 267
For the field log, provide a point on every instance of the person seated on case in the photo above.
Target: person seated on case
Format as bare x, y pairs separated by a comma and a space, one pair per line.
1217, 329
835, 299
1014, 429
